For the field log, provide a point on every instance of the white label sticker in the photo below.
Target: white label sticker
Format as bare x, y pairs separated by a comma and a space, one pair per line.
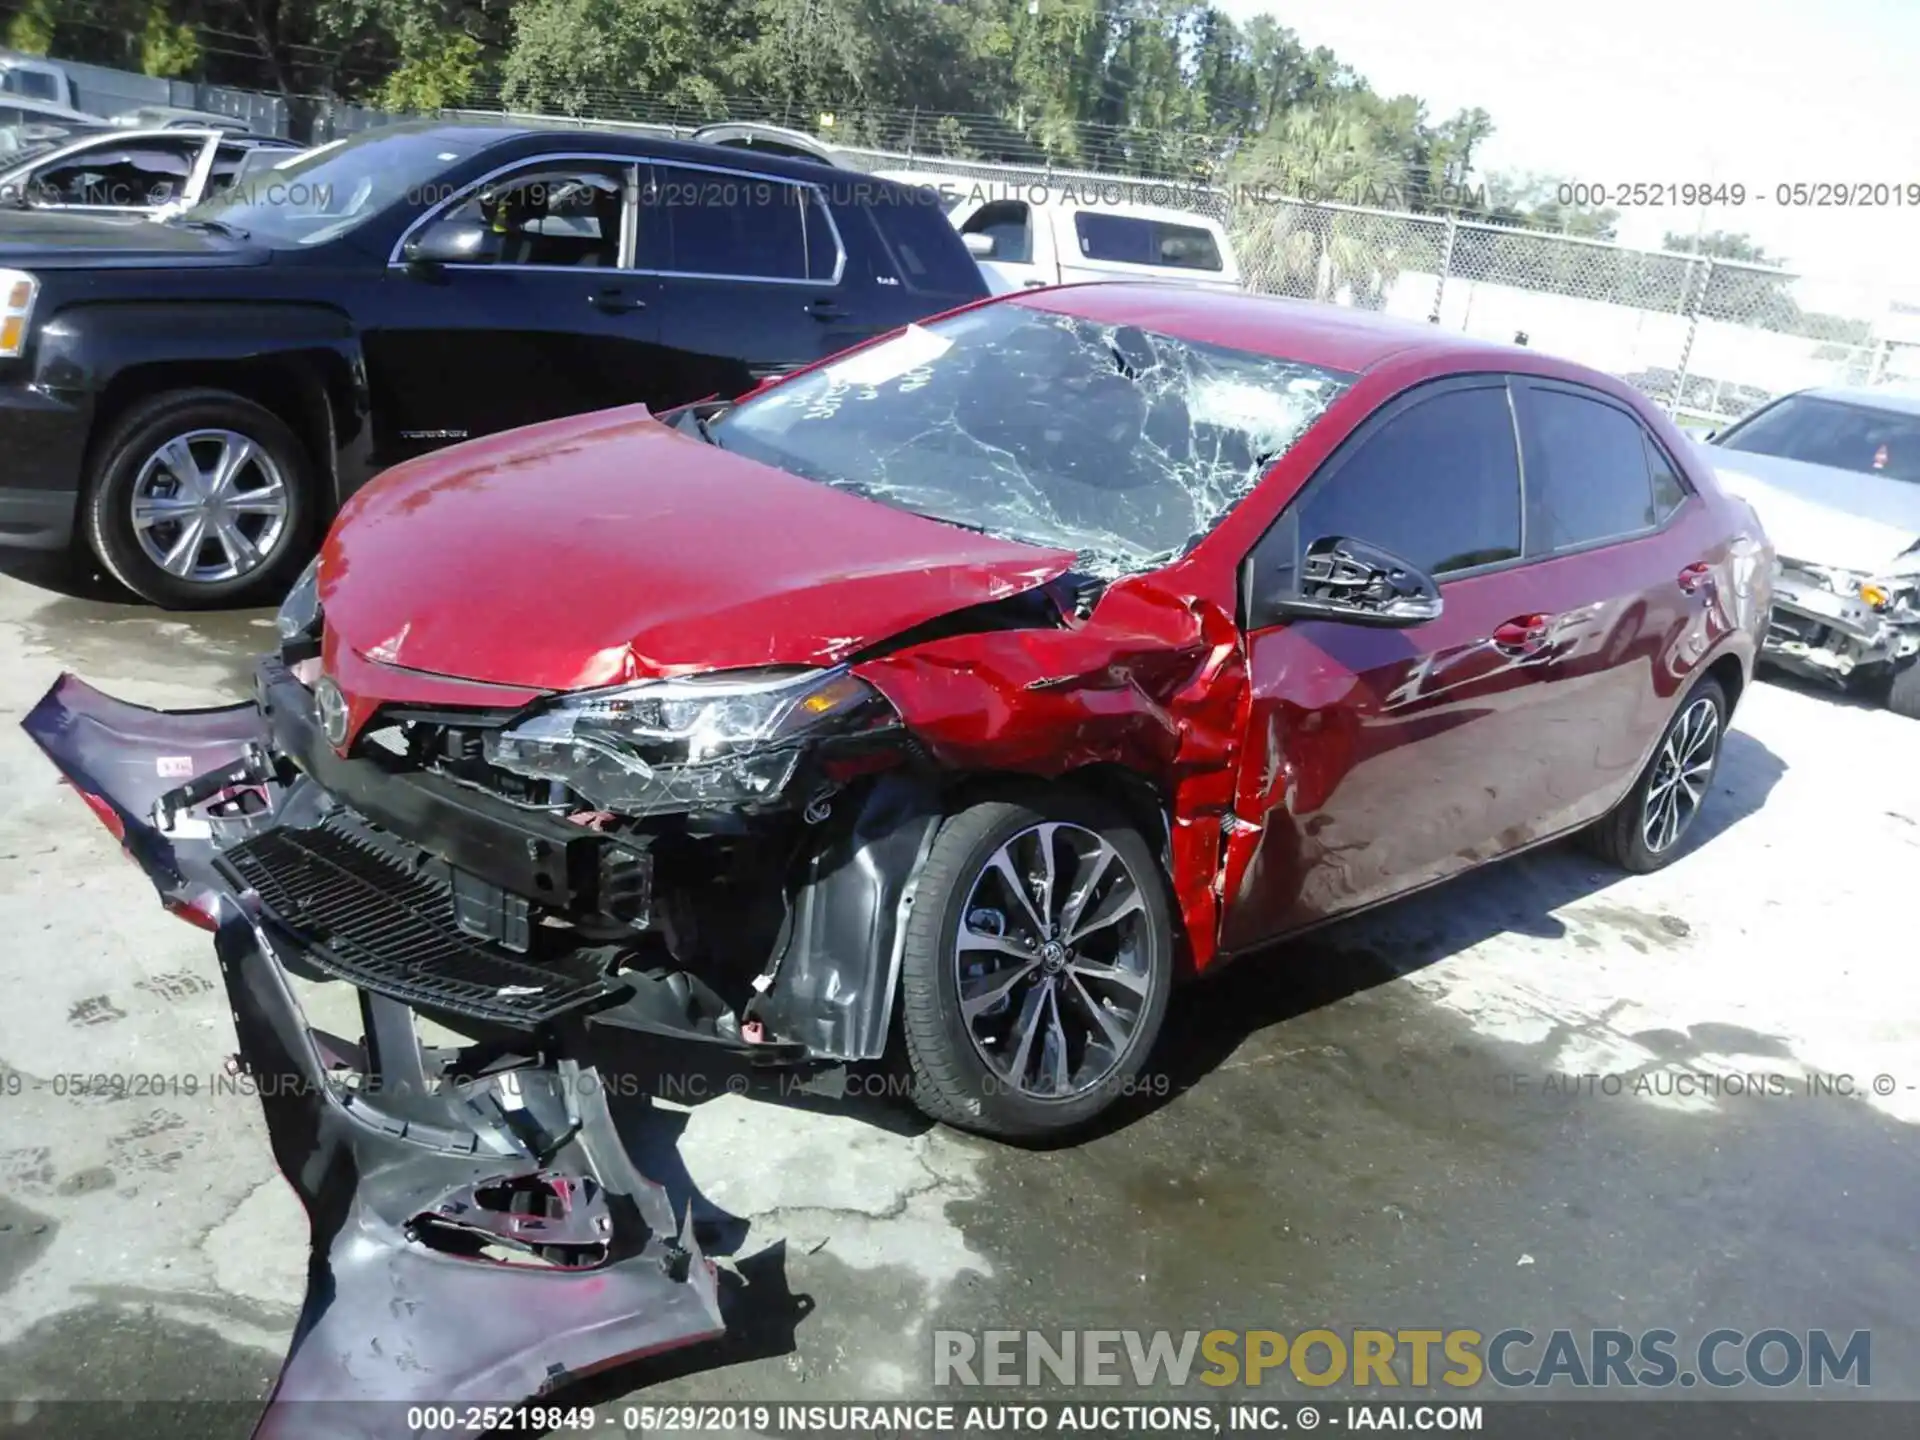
174, 767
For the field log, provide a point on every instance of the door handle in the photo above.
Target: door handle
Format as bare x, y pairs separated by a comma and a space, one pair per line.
1696, 577
1522, 635
615, 302
825, 310
1034, 284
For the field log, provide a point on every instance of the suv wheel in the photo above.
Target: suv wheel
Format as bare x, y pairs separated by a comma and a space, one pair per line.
1643, 832
1036, 965
200, 498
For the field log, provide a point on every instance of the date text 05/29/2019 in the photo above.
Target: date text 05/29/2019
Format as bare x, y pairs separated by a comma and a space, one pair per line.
1860, 194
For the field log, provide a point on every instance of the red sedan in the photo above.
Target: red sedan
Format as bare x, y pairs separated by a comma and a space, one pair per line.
970, 686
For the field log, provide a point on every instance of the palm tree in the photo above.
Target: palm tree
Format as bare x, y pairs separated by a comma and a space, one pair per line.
1289, 242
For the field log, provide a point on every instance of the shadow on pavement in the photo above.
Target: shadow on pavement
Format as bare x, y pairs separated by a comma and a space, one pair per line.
1210, 1018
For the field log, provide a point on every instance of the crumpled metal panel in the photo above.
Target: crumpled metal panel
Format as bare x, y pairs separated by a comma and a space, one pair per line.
398, 1312
1154, 680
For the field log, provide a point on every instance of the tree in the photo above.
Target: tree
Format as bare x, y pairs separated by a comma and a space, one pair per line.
1330, 153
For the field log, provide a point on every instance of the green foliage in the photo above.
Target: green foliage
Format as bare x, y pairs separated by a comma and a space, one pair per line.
30, 29
436, 80
167, 47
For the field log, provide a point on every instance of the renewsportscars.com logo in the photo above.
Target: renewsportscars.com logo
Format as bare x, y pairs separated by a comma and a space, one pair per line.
1513, 1358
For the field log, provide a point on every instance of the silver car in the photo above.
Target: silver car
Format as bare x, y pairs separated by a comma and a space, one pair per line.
1834, 475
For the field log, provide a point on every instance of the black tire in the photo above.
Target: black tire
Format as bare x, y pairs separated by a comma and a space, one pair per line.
952, 1081
1621, 836
108, 500
1903, 694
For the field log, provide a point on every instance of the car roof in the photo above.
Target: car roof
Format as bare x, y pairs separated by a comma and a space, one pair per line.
492, 133
1905, 402
1335, 337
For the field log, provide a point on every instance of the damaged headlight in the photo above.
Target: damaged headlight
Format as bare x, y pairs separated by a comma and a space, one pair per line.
708, 742
300, 611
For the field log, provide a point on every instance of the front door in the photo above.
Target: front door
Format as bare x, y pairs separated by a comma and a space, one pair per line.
1377, 760
557, 324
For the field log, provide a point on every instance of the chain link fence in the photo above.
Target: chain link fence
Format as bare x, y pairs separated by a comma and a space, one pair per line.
1708, 339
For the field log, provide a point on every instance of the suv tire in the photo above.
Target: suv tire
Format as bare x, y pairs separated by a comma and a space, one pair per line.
248, 485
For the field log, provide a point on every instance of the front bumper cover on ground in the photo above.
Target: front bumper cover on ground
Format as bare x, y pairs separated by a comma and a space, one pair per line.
476, 1238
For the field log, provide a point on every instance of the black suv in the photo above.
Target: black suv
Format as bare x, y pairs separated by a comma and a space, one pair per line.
196, 396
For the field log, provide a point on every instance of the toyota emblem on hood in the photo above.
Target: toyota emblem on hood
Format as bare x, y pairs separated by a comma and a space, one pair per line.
332, 706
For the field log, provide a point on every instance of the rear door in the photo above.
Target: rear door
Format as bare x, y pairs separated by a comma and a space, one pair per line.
750, 270
1378, 760
1621, 578
559, 323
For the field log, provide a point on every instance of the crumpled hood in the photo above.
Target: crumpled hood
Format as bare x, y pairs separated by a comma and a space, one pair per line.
609, 547
1823, 515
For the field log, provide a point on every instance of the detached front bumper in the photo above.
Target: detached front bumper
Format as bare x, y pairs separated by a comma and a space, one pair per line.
480, 1234
1828, 635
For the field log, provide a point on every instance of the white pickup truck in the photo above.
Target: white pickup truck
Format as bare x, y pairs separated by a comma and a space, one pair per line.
1024, 237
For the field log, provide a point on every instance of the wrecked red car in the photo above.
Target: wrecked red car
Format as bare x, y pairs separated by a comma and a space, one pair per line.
960, 693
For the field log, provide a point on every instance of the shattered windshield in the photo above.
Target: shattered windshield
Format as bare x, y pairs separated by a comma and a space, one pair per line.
1121, 444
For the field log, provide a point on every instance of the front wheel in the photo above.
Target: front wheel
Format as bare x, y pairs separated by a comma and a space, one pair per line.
1036, 964
1903, 694
1643, 832
201, 498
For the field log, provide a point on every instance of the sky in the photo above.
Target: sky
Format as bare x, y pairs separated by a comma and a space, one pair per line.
1760, 92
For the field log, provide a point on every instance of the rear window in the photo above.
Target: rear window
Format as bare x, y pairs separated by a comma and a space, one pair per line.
1135, 240
34, 84
926, 249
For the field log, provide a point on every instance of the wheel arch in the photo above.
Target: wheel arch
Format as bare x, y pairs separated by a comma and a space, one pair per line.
293, 387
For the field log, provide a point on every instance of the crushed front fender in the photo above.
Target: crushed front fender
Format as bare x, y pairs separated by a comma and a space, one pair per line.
477, 1238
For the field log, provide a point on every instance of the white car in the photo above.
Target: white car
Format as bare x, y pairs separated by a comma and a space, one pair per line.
1834, 475
133, 172
1024, 236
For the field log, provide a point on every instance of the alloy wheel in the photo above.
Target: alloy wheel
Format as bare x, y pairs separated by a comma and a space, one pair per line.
1052, 961
1680, 777
210, 506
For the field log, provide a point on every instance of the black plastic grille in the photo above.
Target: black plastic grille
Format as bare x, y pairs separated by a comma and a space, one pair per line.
376, 923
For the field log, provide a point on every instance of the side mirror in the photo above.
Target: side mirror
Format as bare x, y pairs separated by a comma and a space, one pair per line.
452, 242
979, 246
1356, 583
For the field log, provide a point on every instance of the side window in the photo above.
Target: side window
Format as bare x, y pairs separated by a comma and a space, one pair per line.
134, 174
1668, 491
1188, 247
229, 161
1437, 484
816, 228
1136, 240
561, 215
926, 251
1010, 223
1587, 474
708, 222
